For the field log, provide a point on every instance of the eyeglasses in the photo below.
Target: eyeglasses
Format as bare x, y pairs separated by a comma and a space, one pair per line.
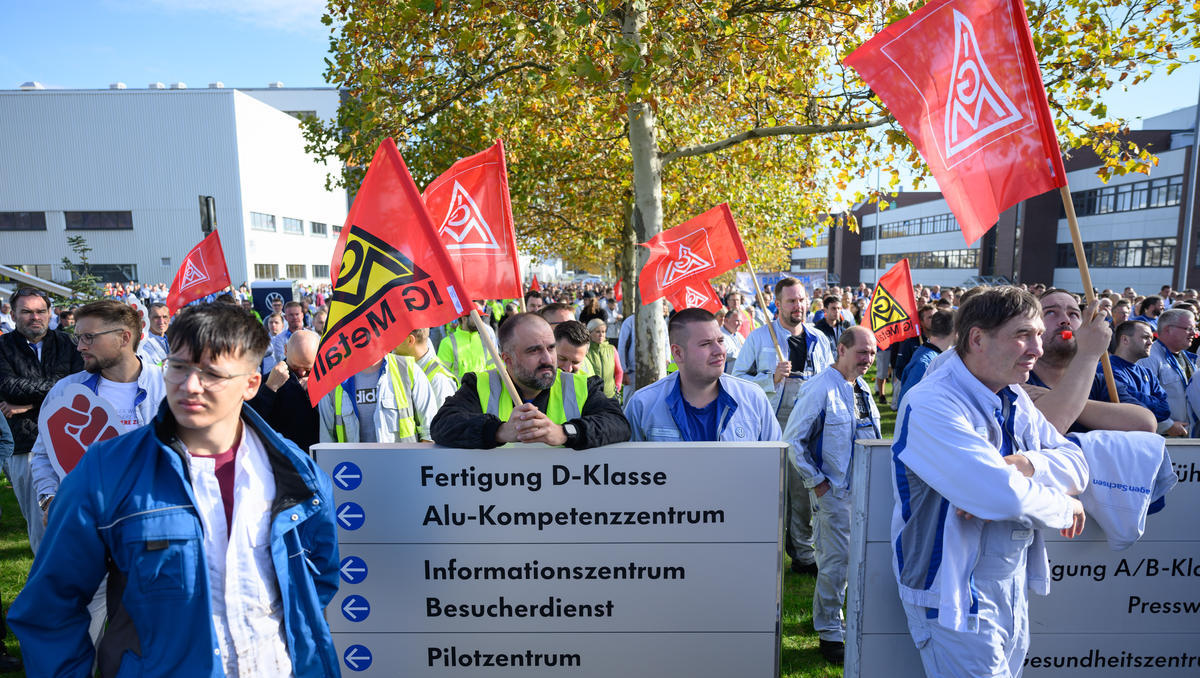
177, 372
88, 337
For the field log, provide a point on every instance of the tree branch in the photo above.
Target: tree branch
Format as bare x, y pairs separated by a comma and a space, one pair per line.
471, 86
763, 132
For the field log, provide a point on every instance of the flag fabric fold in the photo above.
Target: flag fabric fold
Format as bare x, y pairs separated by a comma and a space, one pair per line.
696, 293
469, 204
893, 312
962, 78
391, 275
201, 273
700, 248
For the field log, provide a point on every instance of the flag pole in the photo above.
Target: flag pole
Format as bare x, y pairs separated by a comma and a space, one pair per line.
490, 347
762, 302
1065, 192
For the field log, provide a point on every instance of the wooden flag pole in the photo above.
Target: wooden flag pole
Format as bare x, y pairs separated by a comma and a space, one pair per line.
1077, 241
490, 347
762, 303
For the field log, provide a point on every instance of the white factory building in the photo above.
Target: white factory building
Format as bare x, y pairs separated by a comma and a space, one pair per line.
125, 168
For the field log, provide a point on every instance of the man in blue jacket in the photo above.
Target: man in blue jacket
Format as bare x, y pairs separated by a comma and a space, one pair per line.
1131, 342
206, 576
699, 401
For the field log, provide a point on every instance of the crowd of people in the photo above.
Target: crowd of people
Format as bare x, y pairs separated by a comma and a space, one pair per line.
132, 569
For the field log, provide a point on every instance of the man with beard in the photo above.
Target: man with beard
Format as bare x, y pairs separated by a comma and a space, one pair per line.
834, 410
32, 359
1068, 367
806, 352
557, 408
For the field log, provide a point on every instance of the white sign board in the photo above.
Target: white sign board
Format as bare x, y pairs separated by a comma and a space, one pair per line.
641, 559
1109, 613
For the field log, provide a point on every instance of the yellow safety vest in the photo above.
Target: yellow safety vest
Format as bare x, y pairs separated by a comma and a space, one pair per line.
406, 424
466, 353
566, 401
435, 366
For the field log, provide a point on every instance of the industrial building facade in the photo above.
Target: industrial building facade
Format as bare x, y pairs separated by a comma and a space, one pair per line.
125, 168
1131, 228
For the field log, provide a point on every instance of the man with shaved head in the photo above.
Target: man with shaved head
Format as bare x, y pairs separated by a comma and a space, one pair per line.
834, 409
283, 400
557, 408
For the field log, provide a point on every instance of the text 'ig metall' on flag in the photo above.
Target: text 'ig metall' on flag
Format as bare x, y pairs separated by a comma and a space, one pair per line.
893, 312
391, 275
962, 78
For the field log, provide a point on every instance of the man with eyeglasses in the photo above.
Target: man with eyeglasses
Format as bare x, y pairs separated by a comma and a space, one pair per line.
1173, 364
217, 534
32, 360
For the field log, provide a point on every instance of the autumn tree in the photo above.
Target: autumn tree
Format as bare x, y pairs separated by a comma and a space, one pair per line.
621, 117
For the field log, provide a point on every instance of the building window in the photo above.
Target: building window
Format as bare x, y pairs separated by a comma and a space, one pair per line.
99, 221
935, 259
866, 261
291, 225
810, 264
295, 270
1146, 253
1138, 195
113, 273
262, 222
318, 228
320, 270
938, 223
337, 228
166, 261
301, 115
22, 221
266, 271
43, 271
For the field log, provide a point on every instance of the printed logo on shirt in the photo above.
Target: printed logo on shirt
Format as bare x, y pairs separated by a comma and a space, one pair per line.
366, 396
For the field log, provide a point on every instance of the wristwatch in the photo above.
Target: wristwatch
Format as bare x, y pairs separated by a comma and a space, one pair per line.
44, 501
572, 434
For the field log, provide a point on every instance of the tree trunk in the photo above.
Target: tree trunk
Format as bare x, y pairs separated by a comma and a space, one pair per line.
647, 215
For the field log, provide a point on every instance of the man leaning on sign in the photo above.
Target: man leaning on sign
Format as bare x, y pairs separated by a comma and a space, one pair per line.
558, 408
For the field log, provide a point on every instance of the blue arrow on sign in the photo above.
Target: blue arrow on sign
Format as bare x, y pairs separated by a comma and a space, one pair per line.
347, 475
356, 608
351, 516
354, 569
357, 658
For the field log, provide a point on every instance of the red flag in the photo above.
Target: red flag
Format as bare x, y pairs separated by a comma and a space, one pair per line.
697, 293
893, 313
391, 275
534, 286
701, 248
202, 272
617, 290
962, 79
470, 205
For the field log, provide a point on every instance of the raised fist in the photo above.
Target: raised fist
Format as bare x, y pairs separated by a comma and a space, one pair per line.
74, 427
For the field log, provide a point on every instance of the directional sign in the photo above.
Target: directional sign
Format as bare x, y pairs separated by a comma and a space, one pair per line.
347, 475
357, 658
354, 569
350, 516
356, 608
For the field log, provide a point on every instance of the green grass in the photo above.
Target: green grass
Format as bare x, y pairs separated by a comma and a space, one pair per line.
15, 556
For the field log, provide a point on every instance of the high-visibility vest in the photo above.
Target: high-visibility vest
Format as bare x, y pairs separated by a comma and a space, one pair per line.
435, 366
566, 399
466, 352
406, 424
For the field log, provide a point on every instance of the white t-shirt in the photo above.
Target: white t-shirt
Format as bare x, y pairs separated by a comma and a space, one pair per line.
122, 397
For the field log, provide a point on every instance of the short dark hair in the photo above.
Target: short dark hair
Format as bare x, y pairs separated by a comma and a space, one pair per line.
509, 327
574, 332
681, 319
218, 330
786, 282
551, 308
293, 304
941, 323
831, 299
1121, 302
990, 309
113, 312
1125, 329
23, 292
156, 305
531, 294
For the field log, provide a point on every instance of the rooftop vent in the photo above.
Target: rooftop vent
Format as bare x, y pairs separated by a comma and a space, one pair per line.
179, 85
156, 85
116, 85
278, 84
34, 84
216, 85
